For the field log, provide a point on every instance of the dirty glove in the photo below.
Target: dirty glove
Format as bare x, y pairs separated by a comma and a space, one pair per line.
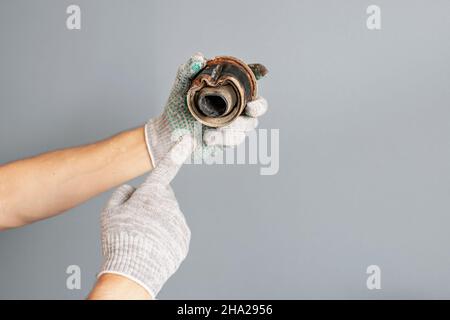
176, 120
144, 234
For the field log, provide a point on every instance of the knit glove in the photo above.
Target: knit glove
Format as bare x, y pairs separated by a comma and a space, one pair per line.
144, 233
176, 120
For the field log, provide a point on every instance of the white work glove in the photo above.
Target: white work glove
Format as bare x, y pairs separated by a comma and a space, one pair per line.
144, 233
176, 120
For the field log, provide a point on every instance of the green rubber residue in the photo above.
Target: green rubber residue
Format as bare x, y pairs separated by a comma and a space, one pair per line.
196, 66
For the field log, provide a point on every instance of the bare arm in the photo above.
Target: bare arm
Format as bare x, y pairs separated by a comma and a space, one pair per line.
46, 185
116, 287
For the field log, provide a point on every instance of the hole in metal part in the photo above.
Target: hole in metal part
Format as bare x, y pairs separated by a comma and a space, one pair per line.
212, 105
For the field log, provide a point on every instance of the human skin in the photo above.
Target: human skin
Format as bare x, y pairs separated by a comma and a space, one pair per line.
111, 286
39, 187
43, 186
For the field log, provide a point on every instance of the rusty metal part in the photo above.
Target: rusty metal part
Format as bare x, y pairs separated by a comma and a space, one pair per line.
258, 70
220, 92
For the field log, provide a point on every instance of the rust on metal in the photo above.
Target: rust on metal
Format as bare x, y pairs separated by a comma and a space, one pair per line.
258, 70
222, 89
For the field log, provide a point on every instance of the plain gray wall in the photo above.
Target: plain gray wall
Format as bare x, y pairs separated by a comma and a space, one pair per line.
364, 142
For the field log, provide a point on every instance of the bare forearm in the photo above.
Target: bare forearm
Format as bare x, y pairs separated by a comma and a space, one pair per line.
116, 287
42, 186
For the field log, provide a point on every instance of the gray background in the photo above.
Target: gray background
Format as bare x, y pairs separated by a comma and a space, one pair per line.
364, 142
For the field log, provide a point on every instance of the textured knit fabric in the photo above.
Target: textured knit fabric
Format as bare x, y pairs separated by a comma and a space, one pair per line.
144, 233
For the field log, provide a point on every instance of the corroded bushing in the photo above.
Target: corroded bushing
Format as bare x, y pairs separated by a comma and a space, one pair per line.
220, 92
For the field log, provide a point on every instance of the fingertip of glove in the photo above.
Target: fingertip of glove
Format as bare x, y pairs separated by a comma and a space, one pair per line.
188, 70
257, 107
182, 149
196, 63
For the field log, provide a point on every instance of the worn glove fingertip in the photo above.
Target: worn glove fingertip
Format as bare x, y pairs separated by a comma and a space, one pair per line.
181, 151
195, 64
185, 73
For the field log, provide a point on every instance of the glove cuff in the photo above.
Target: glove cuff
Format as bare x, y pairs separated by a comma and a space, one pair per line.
129, 256
158, 137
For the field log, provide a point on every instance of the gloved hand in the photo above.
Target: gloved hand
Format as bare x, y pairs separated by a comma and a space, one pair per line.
176, 120
144, 233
